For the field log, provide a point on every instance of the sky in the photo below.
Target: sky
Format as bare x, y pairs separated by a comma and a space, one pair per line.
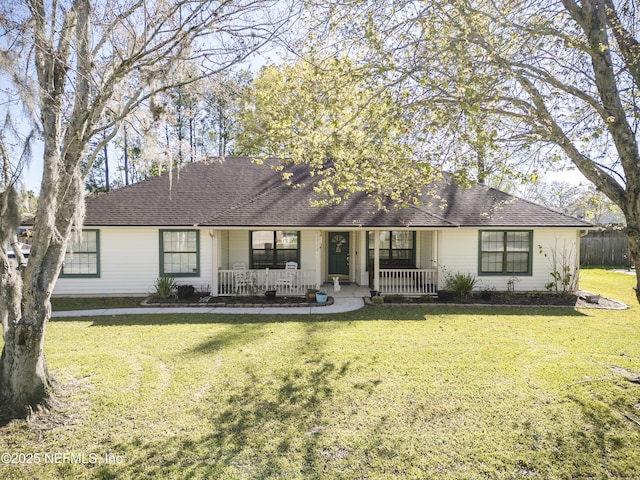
32, 174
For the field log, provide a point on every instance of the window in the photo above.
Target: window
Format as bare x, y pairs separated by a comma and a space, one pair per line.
82, 258
180, 253
397, 249
271, 249
505, 252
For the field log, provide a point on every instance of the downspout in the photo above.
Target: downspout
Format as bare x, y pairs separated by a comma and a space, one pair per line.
435, 264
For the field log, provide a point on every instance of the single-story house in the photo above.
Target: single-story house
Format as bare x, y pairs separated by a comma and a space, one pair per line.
231, 226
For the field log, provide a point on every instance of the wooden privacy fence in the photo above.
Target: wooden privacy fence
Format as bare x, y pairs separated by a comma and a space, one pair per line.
608, 247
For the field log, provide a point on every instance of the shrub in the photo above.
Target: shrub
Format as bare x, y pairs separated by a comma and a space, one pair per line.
564, 271
186, 291
165, 286
377, 300
461, 284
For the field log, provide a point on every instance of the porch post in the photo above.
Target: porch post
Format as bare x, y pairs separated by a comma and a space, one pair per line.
435, 264
214, 262
434, 249
319, 260
376, 260
436, 246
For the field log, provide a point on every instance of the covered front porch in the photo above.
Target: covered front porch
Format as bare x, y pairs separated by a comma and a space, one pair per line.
245, 282
290, 262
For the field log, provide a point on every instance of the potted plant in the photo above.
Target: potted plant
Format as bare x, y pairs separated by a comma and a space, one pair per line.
311, 294
270, 294
321, 296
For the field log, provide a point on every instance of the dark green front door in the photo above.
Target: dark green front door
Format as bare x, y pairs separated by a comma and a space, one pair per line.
339, 254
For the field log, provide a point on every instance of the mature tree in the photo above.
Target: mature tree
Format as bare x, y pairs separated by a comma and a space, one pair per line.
223, 95
181, 106
345, 130
552, 80
583, 201
79, 69
197, 120
130, 148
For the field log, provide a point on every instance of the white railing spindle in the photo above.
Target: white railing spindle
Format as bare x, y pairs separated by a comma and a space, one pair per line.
408, 281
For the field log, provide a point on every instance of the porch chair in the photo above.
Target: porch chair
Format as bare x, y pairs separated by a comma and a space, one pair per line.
287, 279
239, 276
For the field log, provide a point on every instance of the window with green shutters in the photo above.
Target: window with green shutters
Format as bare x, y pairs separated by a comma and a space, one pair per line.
82, 258
505, 252
180, 253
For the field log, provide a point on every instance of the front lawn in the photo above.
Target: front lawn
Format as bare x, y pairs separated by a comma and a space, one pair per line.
60, 304
396, 392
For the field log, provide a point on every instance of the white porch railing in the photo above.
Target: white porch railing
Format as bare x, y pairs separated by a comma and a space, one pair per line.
256, 282
408, 282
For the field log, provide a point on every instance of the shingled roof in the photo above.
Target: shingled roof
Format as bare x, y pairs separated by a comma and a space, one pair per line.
236, 192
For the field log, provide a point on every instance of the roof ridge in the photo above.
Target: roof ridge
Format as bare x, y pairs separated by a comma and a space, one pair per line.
238, 191
530, 202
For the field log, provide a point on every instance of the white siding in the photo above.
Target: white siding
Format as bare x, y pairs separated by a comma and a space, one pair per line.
130, 264
129, 258
458, 252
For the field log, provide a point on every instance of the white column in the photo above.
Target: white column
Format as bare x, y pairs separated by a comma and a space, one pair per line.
215, 235
319, 260
434, 249
376, 260
436, 258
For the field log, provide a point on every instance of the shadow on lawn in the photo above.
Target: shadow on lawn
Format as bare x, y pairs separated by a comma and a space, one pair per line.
609, 429
259, 428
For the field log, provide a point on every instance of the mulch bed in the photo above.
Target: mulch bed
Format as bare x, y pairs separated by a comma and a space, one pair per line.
496, 298
239, 302
512, 299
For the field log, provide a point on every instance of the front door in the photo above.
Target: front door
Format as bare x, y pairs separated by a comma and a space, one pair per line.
339, 254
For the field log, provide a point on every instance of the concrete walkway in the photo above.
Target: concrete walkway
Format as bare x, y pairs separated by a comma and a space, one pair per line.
349, 298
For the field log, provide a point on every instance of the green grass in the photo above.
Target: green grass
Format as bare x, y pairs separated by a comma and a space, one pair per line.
90, 303
394, 392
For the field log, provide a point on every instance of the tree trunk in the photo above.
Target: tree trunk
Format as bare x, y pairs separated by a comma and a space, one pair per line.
106, 168
126, 157
25, 384
633, 235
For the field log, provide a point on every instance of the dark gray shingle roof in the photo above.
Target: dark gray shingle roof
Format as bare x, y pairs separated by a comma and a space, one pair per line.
236, 192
